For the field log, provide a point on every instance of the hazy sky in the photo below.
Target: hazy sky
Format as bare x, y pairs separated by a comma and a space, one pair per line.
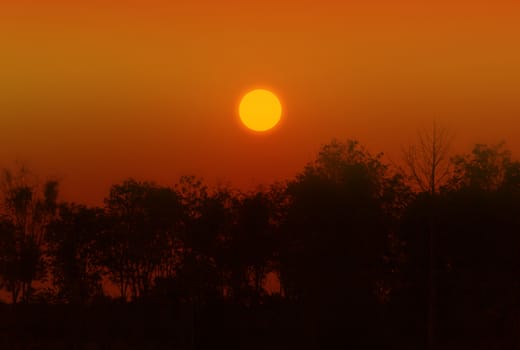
93, 92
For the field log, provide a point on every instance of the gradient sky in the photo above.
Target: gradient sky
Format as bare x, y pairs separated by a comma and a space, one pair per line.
95, 91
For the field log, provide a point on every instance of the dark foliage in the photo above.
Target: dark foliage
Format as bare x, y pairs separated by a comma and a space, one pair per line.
338, 256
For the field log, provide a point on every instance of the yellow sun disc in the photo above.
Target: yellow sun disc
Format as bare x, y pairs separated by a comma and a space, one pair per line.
260, 110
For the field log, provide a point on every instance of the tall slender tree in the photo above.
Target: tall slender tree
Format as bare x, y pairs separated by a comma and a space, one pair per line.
428, 166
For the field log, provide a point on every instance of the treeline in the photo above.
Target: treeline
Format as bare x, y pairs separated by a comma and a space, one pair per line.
363, 251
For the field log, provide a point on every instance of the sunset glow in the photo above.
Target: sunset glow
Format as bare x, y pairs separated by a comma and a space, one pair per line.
94, 91
260, 174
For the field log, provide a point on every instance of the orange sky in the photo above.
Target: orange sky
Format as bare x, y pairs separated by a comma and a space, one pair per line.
94, 92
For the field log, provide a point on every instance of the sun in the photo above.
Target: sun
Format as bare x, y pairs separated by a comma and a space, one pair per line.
260, 110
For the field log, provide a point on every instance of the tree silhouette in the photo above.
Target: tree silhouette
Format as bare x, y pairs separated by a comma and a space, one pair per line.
348, 237
72, 241
141, 238
478, 229
428, 166
486, 168
27, 211
338, 230
204, 222
251, 245
427, 162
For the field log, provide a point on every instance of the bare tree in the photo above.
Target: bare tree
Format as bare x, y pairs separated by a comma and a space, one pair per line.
427, 162
428, 166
